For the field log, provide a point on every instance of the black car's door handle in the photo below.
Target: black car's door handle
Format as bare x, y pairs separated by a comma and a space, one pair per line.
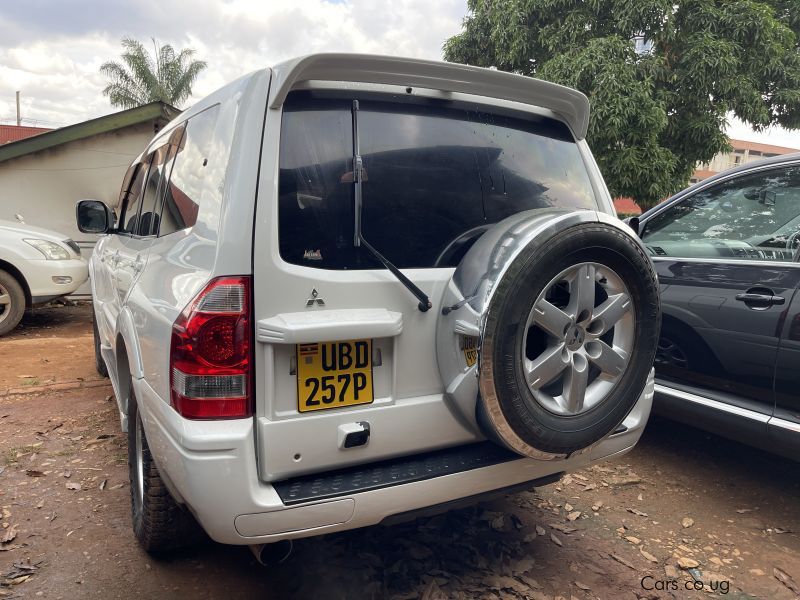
761, 299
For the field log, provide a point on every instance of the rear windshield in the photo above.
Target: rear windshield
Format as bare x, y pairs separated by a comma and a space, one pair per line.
436, 176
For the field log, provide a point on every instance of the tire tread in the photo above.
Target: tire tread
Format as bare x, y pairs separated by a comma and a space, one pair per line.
538, 428
99, 363
162, 525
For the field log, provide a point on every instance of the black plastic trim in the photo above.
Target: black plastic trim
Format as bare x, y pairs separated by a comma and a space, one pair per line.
435, 509
387, 473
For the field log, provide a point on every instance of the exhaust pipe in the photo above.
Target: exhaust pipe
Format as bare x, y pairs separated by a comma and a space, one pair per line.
272, 554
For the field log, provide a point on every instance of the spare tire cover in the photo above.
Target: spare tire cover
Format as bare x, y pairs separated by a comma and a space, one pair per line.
549, 330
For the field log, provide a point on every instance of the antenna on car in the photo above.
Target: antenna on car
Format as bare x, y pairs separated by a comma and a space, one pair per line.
358, 237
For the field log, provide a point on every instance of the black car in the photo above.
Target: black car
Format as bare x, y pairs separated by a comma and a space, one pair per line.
726, 251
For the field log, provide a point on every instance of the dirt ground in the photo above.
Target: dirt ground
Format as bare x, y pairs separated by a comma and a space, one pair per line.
682, 510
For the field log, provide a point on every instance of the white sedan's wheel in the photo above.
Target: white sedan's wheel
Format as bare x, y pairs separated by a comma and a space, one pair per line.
12, 302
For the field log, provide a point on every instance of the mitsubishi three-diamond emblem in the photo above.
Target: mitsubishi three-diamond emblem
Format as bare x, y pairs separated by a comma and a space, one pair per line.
314, 299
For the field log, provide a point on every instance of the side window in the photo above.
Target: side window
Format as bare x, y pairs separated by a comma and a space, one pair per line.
130, 174
149, 217
150, 192
130, 201
197, 173
752, 217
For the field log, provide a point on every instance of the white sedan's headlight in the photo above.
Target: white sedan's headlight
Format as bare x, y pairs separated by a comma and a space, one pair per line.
51, 250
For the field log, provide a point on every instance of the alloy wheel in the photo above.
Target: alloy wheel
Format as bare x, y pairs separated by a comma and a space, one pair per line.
5, 303
578, 339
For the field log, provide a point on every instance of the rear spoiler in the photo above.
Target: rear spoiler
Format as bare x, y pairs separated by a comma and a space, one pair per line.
571, 105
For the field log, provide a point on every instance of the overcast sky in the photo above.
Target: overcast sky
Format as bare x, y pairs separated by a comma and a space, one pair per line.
51, 50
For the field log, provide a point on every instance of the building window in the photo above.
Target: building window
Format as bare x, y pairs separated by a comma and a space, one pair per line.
642, 45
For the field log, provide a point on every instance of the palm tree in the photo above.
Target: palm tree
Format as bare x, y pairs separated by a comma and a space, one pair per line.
141, 78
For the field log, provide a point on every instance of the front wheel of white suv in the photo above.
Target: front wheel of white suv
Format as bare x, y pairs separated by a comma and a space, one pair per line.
12, 302
159, 523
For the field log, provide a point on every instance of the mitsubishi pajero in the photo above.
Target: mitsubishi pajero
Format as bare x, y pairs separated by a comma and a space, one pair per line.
350, 287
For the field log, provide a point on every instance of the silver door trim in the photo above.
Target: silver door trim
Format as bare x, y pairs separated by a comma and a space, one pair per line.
715, 404
726, 261
784, 424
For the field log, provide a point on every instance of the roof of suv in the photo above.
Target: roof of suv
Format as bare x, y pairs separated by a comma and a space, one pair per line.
569, 104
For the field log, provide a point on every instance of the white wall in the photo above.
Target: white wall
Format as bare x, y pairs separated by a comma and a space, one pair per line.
44, 186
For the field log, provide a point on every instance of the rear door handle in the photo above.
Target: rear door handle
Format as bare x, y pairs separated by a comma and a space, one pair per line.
762, 299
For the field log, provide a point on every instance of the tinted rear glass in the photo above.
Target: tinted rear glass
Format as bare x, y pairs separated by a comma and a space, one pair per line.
436, 176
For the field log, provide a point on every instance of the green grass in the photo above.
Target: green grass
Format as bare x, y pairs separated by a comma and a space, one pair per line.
10, 455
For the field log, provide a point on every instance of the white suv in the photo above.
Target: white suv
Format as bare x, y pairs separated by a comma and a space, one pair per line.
36, 266
352, 287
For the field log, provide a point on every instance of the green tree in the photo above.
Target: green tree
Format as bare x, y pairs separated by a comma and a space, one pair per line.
659, 110
141, 78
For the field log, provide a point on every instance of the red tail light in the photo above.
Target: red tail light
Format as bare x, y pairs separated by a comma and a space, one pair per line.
211, 353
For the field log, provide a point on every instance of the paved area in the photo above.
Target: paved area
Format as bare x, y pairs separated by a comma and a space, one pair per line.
683, 511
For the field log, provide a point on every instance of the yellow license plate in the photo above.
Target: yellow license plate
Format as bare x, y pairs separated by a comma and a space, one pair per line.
334, 374
470, 347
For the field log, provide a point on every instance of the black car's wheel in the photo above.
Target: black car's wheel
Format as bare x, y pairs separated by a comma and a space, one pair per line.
671, 353
12, 302
680, 348
158, 522
569, 342
99, 363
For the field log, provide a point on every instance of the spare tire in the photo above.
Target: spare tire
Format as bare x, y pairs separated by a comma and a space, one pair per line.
566, 315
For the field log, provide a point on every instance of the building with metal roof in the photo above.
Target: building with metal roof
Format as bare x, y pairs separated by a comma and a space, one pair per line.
42, 176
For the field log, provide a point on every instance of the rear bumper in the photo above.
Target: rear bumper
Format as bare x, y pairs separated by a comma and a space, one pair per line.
211, 467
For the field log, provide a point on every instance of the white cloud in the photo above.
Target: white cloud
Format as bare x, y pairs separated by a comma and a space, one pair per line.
774, 135
52, 50
53, 55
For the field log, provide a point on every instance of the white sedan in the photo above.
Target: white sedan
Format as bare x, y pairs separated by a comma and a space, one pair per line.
36, 265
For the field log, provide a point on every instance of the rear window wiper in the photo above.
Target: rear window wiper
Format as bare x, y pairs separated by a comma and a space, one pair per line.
358, 237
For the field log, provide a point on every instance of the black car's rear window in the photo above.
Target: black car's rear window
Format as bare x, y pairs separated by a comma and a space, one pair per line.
437, 174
